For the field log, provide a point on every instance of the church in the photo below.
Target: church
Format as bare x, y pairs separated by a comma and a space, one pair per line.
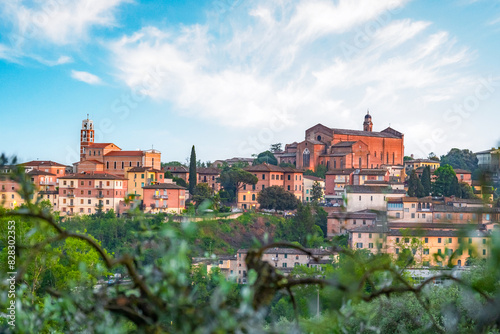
343, 148
108, 157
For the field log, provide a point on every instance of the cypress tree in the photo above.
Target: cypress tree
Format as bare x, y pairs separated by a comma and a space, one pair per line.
426, 180
192, 171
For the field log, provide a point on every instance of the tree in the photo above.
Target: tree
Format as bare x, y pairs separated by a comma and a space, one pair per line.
433, 156
415, 187
275, 147
320, 171
426, 180
266, 157
466, 191
192, 171
463, 159
232, 179
277, 198
316, 192
446, 183
407, 158
202, 192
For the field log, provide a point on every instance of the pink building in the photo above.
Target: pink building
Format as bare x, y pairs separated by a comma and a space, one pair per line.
84, 193
164, 197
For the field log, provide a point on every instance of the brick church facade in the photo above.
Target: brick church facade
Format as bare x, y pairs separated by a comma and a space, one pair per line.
342, 148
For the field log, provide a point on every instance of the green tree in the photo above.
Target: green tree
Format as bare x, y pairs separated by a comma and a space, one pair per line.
466, 191
277, 198
446, 183
275, 147
201, 193
462, 159
192, 171
232, 179
426, 180
316, 192
266, 157
407, 158
320, 171
415, 187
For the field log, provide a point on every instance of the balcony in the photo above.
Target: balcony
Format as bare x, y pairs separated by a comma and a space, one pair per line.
99, 186
71, 186
71, 195
160, 196
71, 204
100, 196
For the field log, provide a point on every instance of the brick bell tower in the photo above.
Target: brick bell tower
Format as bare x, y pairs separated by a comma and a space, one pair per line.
368, 125
86, 136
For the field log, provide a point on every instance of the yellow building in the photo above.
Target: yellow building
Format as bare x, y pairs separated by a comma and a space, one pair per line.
417, 163
138, 177
424, 242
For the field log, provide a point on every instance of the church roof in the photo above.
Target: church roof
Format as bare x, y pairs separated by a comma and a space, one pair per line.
100, 145
365, 133
124, 153
344, 144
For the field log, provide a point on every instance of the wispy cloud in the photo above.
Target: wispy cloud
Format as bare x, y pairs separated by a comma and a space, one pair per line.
58, 22
86, 77
287, 57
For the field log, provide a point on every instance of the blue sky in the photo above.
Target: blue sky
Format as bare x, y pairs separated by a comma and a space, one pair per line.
233, 76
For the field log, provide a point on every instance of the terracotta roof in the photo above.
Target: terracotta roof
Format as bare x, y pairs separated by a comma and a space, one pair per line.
344, 144
124, 154
209, 170
263, 168
94, 175
39, 172
354, 215
100, 145
364, 133
92, 161
163, 186
373, 172
422, 160
340, 171
373, 190
315, 251
42, 163
176, 169
291, 170
462, 171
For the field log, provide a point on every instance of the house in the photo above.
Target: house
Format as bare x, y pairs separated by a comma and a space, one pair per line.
165, 197
309, 181
358, 198
86, 193
285, 259
290, 179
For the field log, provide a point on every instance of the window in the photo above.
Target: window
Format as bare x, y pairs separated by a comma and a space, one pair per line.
397, 240
244, 197
380, 235
426, 240
407, 240
286, 256
263, 176
370, 235
306, 156
284, 265
89, 201
253, 197
426, 251
439, 240
359, 235
370, 245
439, 251
484, 241
263, 187
90, 192
484, 251
449, 240
359, 245
412, 215
470, 240
397, 250
114, 165
364, 222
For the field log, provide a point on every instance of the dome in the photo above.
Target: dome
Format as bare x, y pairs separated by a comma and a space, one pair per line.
368, 116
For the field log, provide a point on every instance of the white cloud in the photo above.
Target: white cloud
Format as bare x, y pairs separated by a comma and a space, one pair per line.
58, 21
301, 61
86, 77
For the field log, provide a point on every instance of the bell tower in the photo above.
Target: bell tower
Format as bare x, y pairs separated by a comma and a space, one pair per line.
368, 125
86, 136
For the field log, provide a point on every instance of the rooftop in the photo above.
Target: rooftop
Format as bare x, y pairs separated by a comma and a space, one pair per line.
163, 186
93, 175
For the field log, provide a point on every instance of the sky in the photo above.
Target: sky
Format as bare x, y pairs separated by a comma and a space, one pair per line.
233, 77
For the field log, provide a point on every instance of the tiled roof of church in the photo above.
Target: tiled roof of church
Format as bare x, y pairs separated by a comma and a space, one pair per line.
100, 145
124, 153
364, 133
344, 144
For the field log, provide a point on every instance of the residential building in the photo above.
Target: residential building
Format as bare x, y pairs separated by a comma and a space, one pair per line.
358, 198
464, 176
165, 197
418, 163
139, 177
285, 259
341, 222
85, 193
270, 175
309, 181
422, 242
209, 176
181, 172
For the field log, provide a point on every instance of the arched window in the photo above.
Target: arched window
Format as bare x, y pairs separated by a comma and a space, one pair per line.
319, 138
306, 158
